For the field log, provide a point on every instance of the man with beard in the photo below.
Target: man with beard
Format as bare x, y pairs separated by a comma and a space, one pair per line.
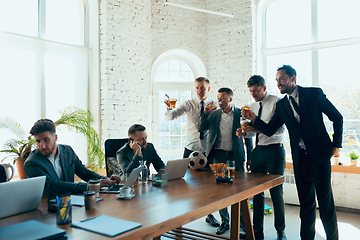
58, 163
302, 112
138, 149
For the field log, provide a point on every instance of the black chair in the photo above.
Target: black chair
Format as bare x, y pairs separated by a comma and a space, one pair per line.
2, 174
111, 147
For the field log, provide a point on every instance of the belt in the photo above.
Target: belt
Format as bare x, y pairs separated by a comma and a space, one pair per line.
225, 152
275, 145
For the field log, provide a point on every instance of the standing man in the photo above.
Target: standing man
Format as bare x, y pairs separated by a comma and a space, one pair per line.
268, 157
58, 163
193, 108
302, 112
223, 144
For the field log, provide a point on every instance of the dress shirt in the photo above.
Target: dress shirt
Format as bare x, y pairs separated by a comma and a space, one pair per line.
56, 163
224, 139
192, 109
295, 95
268, 110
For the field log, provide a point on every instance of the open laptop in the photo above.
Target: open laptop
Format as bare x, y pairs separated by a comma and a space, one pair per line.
21, 196
129, 182
176, 168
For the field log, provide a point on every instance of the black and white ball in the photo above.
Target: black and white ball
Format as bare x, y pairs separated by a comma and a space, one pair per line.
197, 160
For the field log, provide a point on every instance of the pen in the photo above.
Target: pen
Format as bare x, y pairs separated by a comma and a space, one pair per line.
88, 219
58, 201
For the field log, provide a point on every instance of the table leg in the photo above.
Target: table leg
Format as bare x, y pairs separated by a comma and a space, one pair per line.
247, 219
235, 221
157, 238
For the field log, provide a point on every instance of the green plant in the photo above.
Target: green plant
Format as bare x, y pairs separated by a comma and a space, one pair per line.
73, 118
16, 148
353, 155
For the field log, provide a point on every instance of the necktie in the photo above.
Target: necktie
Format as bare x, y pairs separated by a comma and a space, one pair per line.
295, 105
259, 116
201, 113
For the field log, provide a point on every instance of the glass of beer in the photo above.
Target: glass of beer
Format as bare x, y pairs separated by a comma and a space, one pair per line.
172, 103
231, 168
214, 105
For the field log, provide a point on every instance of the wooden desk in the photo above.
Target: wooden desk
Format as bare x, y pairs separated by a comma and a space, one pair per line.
161, 209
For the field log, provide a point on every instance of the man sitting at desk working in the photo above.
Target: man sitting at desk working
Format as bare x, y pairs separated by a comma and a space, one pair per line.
58, 163
138, 149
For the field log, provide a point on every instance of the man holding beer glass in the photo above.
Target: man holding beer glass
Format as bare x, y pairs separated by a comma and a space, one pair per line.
268, 157
302, 112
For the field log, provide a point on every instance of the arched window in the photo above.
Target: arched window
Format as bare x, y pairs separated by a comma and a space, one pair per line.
321, 40
43, 63
173, 74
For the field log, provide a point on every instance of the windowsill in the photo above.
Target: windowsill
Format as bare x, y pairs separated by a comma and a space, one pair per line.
335, 168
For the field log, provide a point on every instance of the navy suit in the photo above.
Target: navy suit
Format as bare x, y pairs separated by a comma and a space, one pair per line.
38, 165
311, 166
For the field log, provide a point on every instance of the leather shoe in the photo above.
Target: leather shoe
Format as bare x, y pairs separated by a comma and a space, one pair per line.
212, 220
223, 228
281, 235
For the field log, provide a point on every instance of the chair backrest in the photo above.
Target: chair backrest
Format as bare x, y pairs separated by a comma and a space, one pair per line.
111, 147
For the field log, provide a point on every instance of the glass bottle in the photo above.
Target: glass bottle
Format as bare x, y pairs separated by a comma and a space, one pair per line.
143, 176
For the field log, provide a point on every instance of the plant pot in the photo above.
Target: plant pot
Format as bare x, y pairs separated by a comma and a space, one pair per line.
353, 162
20, 167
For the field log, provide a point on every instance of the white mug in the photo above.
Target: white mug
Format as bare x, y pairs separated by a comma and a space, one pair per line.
126, 191
9, 169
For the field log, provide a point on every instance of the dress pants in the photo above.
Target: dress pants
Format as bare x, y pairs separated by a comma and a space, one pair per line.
269, 160
314, 177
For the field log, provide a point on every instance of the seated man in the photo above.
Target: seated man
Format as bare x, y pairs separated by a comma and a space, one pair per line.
58, 163
137, 150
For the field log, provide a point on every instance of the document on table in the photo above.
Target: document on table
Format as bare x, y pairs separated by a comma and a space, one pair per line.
106, 225
79, 200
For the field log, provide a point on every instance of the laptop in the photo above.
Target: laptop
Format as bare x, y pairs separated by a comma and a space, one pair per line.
21, 196
129, 182
176, 169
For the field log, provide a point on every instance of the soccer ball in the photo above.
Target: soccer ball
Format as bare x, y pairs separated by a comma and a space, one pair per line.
197, 160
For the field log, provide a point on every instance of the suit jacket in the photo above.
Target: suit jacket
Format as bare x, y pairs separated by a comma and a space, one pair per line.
128, 160
210, 121
312, 104
38, 165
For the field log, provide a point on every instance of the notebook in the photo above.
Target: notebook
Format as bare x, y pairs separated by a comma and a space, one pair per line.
129, 182
106, 225
21, 196
177, 168
32, 230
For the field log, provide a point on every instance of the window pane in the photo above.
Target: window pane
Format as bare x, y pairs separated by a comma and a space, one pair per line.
20, 16
337, 79
300, 61
288, 22
174, 71
65, 21
344, 25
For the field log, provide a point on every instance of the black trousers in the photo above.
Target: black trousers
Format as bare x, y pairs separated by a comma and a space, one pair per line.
310, 178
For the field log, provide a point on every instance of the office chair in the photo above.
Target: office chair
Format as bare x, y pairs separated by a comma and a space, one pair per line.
2, 174
111, 147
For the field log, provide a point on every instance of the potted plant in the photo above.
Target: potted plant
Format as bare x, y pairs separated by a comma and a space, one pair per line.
18, 150
354, 157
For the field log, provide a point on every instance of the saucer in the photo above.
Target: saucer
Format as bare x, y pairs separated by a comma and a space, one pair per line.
122, 197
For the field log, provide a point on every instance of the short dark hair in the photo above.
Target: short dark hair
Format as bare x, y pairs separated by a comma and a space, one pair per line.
227, 90
256, 80
136, 127
289, 70
202, 79
43, 125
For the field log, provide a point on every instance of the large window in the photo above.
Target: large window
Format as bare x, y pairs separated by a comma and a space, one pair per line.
321, 40
43, 63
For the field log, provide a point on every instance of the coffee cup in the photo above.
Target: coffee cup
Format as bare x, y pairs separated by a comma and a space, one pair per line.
94, 185
126, 191
9, 169
89, 199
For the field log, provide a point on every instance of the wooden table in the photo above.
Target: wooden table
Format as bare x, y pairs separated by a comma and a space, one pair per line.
161, 209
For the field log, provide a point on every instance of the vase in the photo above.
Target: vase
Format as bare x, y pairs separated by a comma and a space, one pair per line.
353, 162
20, 167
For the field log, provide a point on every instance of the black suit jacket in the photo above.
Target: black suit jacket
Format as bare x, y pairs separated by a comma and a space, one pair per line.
312, 103
210, 121
38, 165
128, 160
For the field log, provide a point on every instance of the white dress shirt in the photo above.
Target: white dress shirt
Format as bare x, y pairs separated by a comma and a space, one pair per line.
56, 163
224, 139
192, 109
268, 110
295, 95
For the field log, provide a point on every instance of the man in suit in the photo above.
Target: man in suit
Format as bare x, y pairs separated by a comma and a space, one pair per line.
302, 112
137, 150
58, 163
223, 144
